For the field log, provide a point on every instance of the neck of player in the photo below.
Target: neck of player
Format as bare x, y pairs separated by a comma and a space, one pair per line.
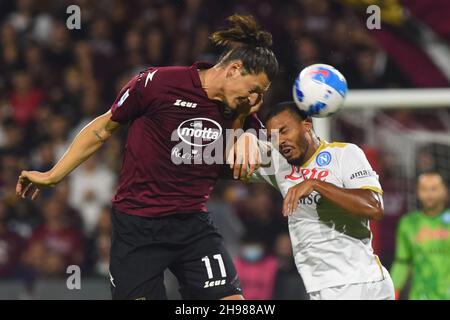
313, 145
435, 211
211, 83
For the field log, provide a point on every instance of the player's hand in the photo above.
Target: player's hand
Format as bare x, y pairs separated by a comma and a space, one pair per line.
244, 157
32, 182
257, 104
294, 194
250, 106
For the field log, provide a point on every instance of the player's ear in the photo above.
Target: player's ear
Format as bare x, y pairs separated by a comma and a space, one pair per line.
308, 125
234, 69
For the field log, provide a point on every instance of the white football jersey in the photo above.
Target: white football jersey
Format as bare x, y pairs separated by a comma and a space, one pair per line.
331, 247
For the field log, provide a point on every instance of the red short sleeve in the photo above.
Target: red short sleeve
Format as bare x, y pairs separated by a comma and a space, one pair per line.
133, 98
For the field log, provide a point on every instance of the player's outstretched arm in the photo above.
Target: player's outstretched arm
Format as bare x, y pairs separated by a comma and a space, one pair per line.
363, 203
88, 141
244, 156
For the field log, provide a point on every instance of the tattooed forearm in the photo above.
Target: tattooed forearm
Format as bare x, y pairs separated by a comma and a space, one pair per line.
98, 135
106, 131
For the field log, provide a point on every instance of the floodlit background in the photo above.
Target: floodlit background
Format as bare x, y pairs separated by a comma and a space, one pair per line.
54, 80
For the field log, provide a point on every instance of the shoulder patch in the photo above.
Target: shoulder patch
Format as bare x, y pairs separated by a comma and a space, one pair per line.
124, 97
446, 217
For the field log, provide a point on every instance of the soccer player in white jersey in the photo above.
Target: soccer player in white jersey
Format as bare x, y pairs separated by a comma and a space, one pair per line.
330, 193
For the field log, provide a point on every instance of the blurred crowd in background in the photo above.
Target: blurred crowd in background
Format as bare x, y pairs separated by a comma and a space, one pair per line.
53, 81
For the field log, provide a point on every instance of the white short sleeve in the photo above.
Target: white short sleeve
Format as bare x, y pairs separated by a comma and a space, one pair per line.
356, 170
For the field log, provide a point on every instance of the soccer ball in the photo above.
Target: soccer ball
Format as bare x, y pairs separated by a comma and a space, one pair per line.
319, 90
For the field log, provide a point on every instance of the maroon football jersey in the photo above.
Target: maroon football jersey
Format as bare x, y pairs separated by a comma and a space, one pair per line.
172, 122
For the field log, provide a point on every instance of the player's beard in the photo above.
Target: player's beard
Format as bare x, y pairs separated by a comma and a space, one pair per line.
225, 110
434, 205
241, 107
303, 146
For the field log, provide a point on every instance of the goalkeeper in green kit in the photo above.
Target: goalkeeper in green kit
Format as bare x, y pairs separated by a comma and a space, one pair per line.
423, 243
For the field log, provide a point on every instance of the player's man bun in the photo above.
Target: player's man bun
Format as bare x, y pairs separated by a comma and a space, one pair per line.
244, 31
245, 41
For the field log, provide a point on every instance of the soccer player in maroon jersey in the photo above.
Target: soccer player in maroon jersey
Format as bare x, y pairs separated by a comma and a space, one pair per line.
158, 214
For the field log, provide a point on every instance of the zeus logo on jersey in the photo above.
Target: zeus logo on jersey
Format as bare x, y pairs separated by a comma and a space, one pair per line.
150, 76
209, 284
186, 104
202, 131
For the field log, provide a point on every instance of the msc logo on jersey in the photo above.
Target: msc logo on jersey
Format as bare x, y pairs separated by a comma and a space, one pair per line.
311, 199
323, 158
199, 132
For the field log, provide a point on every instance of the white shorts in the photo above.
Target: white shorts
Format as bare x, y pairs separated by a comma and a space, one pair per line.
379, 290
